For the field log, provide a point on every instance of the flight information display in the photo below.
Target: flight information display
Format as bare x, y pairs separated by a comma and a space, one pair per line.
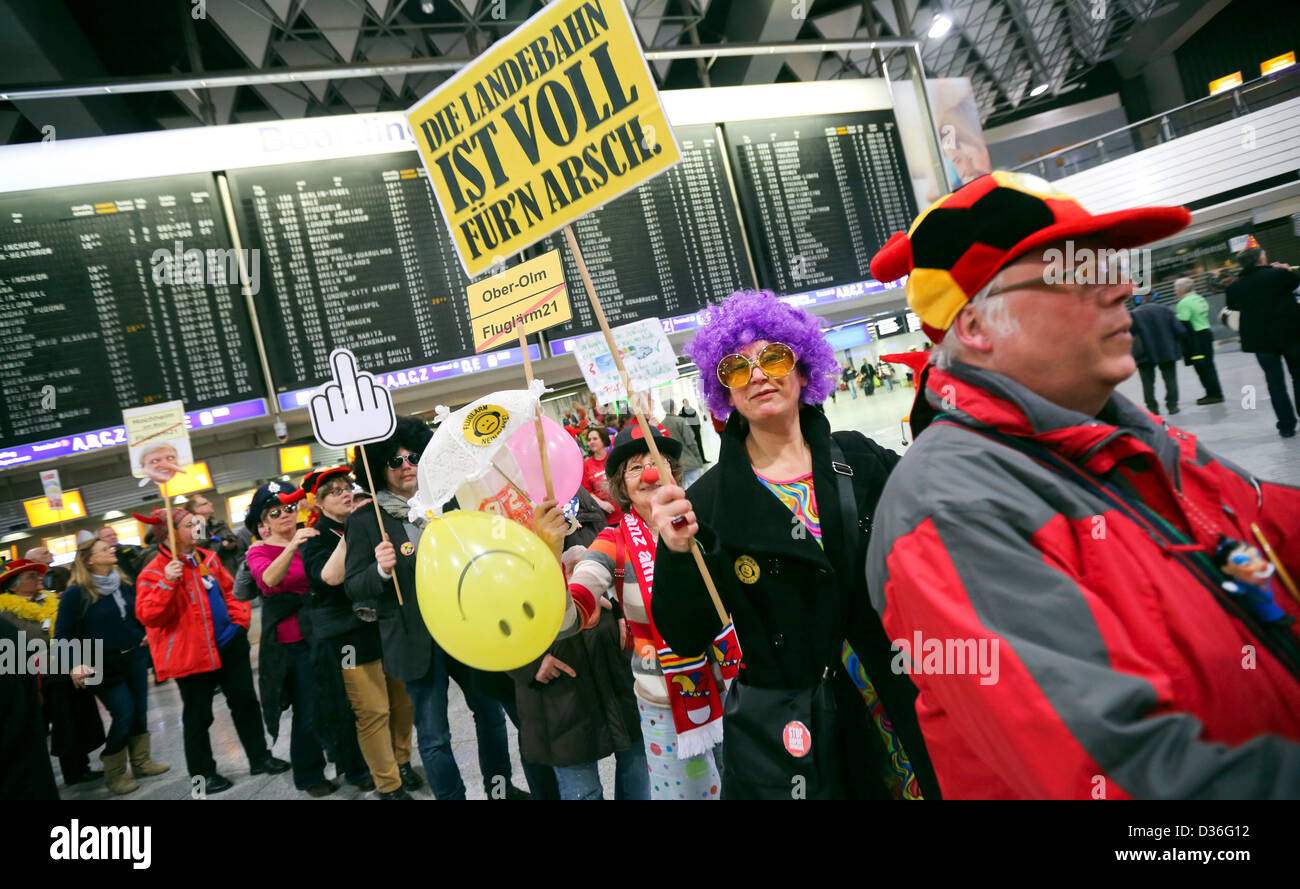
353, 252
820, 195
669, 247
117, 295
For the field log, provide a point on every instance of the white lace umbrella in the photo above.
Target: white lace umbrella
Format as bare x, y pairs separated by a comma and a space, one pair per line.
467, 440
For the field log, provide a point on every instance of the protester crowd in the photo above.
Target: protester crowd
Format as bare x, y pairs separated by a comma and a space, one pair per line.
1053, 593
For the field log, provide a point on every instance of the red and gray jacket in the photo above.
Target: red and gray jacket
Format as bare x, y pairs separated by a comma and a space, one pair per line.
1121, 670
178, 617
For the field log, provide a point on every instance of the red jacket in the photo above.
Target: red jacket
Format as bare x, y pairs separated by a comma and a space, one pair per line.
1119, 670
178, 618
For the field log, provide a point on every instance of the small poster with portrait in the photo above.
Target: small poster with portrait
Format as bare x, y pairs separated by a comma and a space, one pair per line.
157, 441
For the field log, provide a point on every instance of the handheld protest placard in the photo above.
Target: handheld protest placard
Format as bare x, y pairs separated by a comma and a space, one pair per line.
548, 123
659, 461
529, 297
352, 409
158, 445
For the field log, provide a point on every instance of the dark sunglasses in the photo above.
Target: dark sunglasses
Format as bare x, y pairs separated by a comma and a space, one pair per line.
775, 361
277, 511
396, 462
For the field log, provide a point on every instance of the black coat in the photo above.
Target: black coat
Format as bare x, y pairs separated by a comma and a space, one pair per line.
791, 619
1270, 317
1157, 334
575, 720
25, 771
275, 660
408, 647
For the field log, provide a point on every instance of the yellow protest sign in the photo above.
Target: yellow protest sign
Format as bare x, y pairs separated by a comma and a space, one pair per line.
549, 123
532, 294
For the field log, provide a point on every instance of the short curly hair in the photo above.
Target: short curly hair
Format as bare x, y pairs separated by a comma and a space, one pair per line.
749, 315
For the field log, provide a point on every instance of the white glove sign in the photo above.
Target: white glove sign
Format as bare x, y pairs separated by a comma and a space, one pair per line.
353, 409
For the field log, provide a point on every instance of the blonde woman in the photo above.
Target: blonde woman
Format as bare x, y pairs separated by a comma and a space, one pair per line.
99, 607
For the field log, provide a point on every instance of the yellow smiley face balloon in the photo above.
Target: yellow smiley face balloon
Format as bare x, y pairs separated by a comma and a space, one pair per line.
490, 591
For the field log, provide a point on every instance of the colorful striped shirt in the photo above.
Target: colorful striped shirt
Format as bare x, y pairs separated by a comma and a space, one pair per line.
799, 497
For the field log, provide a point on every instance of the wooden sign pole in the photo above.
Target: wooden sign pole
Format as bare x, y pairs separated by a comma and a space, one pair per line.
379, 517
541, 436
171, 529
660, 462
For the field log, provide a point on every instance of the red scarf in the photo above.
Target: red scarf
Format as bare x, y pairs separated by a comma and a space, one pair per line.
692, 690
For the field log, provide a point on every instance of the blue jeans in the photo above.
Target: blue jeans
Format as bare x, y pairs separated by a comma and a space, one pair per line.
433, 733
305, 754
127, 702
631, 777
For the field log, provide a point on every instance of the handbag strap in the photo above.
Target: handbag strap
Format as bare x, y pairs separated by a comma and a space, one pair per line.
848, 503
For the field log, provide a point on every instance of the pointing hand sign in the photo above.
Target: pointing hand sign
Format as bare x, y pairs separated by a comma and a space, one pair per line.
352, 409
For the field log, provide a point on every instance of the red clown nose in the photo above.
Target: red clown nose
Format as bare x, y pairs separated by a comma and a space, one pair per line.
649, 475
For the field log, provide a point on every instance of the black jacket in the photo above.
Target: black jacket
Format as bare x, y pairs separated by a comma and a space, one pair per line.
1270, 317
332, 613
25, 772
791, 619
408, 647
573, 720
1157, 335
275, 660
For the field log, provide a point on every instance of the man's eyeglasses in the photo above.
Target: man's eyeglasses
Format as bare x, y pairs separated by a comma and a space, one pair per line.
396, 462
775, 361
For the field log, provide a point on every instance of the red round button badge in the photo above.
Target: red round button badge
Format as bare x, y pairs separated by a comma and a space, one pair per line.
797, 739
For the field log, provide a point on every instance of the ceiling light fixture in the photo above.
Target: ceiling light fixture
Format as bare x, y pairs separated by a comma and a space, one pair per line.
426, 7
941, 25
1038, 90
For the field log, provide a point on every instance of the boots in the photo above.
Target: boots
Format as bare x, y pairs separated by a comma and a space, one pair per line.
141, 765
115, 776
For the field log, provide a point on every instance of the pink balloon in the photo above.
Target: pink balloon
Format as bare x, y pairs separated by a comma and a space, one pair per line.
561, 451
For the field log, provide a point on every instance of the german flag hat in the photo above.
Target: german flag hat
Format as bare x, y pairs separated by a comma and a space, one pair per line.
957, 245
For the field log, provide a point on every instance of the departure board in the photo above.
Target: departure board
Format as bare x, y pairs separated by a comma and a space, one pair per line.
117, 295
667, 248
353, 253
820, 194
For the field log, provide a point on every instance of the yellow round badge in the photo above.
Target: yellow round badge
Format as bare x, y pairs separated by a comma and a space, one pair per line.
747, 569
408, 548
483, 424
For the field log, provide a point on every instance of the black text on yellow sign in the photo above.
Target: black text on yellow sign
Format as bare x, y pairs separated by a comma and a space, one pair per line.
548, 124
532, 294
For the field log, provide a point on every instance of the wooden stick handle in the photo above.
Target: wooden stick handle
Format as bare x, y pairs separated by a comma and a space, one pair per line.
537, 423
1282, 573
664, 471
379, 516
171, 529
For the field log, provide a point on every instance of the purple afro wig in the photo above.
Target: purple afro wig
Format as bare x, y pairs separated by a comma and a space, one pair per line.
749, 315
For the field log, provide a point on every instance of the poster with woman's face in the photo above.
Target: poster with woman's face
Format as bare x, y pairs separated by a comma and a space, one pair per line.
157, 441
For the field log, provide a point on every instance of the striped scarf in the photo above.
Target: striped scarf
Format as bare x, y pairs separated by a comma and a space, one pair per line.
693, 694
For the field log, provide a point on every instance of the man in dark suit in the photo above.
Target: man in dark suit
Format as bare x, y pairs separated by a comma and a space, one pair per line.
1270, 327
375, 557
1158, 339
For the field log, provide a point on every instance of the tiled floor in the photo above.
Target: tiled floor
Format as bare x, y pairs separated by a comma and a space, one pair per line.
1236, 430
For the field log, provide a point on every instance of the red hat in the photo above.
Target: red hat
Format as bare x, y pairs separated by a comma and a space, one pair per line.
312, 481
957, 245
21, 566
159, 516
